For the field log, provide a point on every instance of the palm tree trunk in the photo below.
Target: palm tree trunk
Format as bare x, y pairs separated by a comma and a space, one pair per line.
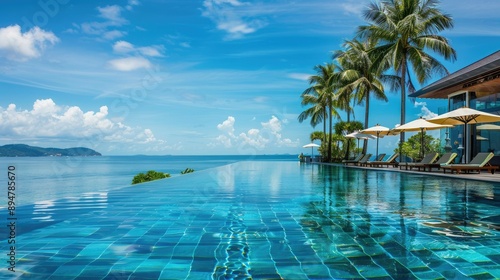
330, 131
367, 113
346, 156
324, 125
403, 98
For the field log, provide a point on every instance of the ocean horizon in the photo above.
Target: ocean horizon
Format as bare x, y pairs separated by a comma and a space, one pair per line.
41, 179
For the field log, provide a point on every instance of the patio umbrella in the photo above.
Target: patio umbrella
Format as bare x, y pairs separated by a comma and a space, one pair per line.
378, 130
358, 135
465, 116
488, 127
421, 125
311, 145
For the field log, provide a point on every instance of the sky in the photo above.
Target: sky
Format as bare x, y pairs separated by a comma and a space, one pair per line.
191, 77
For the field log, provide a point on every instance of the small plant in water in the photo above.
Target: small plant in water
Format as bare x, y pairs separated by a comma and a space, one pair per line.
149, 176
187, 170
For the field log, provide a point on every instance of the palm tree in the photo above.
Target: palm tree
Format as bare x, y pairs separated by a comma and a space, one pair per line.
323, 87
342, 128
317, 135
405, 30
360, 77
318, 111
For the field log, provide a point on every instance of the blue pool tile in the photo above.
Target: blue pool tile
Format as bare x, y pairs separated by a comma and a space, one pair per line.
304, 229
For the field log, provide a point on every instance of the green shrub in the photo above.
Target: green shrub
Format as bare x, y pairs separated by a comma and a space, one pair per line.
149, 176
187, 170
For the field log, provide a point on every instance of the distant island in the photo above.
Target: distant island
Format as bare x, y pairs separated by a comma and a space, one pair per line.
21, 150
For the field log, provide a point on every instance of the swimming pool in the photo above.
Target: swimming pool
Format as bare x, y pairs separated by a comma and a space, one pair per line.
266, 220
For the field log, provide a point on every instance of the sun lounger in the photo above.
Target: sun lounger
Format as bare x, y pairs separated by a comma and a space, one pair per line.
389, 161
478, 163
353, 161
364, 160
428, 159
444, 160
380, 158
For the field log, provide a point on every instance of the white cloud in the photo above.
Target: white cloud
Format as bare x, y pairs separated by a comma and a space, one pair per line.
49, 120
19, 46
106, 29
354, 8
224, 140
112, 14
424, 111
232, 17
227, 126
129, 63
131, 4
253, 138
268, 135
300, 76
124, 47
113, 35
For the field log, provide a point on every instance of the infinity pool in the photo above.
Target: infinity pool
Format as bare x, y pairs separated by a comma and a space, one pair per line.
266, 220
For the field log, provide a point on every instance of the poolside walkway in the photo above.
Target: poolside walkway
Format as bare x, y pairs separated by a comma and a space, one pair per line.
483, 176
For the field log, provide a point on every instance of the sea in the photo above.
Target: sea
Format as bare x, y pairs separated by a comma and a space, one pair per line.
42, 179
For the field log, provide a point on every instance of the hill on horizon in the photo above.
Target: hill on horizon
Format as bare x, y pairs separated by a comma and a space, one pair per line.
22, 150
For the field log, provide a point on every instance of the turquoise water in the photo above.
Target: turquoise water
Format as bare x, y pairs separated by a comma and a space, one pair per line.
47, 178
266, 220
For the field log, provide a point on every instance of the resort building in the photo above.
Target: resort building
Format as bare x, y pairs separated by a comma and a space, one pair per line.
476, 86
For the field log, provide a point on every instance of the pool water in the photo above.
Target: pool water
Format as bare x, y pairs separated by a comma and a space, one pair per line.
266, 220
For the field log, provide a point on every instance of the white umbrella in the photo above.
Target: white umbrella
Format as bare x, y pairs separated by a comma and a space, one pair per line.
378, 131
358, 135
311, 145
481, 138
488, 127
465, 116
421, 125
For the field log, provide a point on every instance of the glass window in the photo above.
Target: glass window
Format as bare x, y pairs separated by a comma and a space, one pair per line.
485, 102
456, 101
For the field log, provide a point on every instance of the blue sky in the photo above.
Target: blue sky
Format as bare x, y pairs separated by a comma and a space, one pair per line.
189, 77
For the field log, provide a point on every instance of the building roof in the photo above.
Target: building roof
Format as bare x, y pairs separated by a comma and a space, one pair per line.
480, 76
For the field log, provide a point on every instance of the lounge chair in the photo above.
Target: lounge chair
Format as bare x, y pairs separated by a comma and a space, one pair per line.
380, 158
428, 159
389, 161
478, 163
353, 161
444, 160
364, 160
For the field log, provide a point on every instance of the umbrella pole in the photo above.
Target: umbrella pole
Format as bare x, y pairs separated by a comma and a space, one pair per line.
421, 143
464, 145
378, 134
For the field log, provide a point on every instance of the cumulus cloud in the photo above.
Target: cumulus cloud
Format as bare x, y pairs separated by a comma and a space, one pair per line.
19, 46
48, 120
227, 126
232, 17
269, 134
424, 111
129, 63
